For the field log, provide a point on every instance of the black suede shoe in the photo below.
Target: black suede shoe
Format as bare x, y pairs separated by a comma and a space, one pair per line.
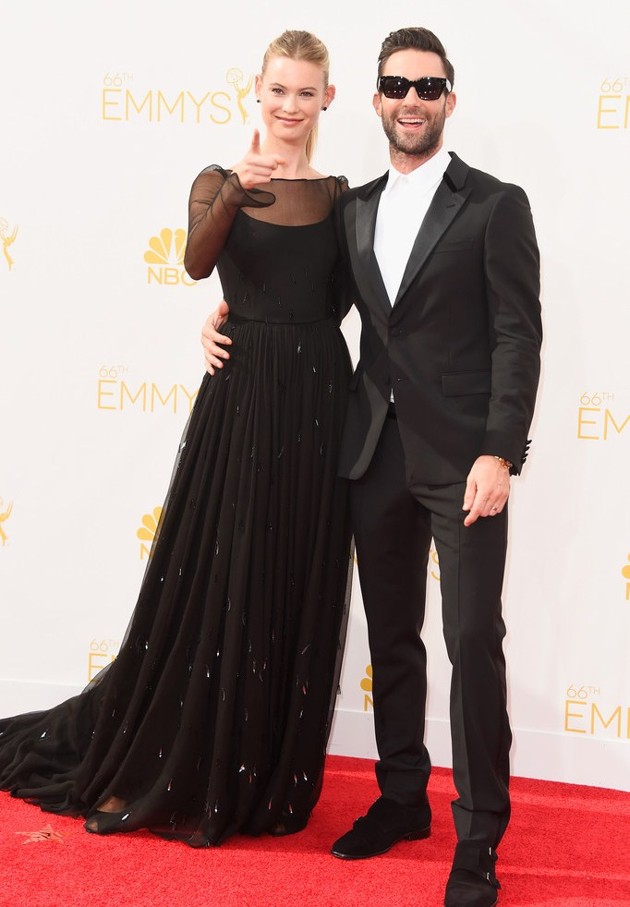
472, 882
386, 823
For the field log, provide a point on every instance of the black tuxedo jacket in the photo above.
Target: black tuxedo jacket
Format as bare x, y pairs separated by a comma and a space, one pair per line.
460, 346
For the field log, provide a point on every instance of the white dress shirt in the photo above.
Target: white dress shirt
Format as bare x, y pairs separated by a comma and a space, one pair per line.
402, 208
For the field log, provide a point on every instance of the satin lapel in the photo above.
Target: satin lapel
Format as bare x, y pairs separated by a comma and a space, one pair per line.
443, 209
367, 273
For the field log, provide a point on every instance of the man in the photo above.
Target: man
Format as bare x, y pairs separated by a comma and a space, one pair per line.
445, 269
446, 274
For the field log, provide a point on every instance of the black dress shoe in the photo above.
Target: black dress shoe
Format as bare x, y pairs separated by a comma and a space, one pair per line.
472, 882
386, 823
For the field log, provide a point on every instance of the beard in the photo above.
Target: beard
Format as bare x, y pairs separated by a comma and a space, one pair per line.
417, 145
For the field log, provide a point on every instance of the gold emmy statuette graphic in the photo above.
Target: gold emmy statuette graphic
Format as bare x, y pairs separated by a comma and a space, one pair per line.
625, 572
167, 248
234, 77
4, 516
8, 239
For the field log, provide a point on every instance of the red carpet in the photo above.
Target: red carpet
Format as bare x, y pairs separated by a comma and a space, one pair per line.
567, 846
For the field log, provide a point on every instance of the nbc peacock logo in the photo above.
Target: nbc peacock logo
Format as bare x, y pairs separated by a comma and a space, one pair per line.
165, 259
7, 238
625, 572
5, 513
147, 531
366, 686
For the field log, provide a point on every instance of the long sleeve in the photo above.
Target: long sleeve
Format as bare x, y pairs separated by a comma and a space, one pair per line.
512, 272
215, 198
343, 285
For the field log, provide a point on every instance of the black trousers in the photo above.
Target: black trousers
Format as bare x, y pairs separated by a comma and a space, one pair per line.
393, 527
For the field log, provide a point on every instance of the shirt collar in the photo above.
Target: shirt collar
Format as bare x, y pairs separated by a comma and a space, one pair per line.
423, 177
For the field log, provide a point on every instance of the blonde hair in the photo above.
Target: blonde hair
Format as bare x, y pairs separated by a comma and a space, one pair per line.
301, 45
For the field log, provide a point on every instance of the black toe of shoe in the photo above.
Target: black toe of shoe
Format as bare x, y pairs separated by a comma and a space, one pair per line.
386, 823
472, 882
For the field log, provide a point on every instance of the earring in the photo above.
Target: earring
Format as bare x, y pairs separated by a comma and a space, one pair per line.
324, 108
258, 100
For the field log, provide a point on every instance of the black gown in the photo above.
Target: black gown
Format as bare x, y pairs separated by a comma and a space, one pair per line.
215, 716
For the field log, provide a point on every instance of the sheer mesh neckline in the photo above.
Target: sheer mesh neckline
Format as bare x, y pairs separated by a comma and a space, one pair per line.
294, 202
217, 197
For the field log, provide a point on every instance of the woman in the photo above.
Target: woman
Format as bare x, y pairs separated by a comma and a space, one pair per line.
215, 716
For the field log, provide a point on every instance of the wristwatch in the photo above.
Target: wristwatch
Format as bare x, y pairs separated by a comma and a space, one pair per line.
503, 462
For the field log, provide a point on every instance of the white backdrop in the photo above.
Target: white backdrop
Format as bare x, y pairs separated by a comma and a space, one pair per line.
108, 112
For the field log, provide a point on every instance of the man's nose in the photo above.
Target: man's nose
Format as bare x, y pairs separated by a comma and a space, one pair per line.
413, 97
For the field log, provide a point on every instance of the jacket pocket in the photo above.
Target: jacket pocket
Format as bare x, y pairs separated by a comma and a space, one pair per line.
460, 383
458, 245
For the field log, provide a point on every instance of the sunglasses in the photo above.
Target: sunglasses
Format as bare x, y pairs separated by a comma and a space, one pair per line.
429, 88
